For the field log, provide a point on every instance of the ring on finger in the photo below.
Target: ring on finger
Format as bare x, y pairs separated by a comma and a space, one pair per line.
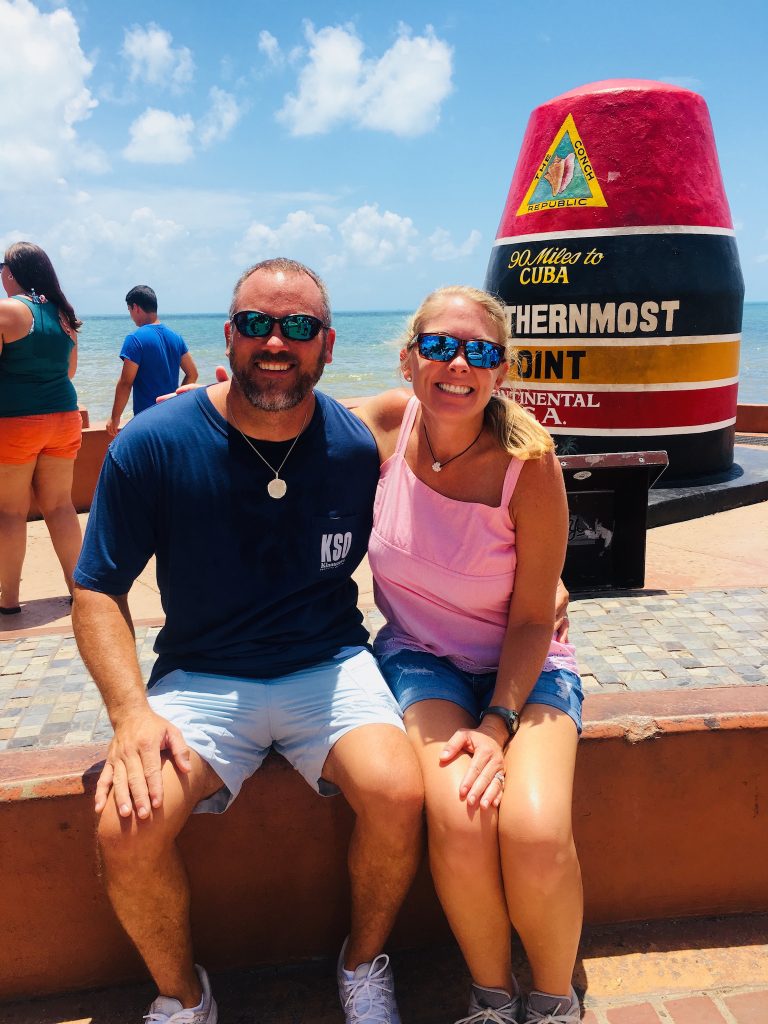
499, 776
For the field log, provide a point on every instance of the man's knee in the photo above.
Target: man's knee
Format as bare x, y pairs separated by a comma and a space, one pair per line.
131, 843
380, 775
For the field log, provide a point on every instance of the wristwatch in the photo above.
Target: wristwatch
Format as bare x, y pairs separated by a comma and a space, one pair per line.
509, 716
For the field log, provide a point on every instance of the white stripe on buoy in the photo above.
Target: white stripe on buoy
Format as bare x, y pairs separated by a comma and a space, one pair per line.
656, 229
699, 428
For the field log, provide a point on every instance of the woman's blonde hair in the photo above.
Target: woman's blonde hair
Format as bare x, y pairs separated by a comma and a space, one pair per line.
515, 429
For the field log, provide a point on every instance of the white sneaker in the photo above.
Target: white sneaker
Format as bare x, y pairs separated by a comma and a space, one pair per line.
165, 1010
507, 1013
570, 1014
369, 996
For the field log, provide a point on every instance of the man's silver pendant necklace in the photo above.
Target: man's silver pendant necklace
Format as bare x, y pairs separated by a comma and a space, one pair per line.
437, 465
276, 488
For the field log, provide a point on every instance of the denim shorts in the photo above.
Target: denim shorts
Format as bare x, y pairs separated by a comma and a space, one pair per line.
232, 722
416, 675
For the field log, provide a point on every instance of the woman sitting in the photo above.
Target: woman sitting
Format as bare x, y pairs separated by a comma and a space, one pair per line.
469, 538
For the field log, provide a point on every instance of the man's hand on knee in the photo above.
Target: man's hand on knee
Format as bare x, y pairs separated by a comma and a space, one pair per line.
133, 769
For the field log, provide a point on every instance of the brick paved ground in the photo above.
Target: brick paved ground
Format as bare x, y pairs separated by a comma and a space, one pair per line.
715, 972
641, 641
749, 1006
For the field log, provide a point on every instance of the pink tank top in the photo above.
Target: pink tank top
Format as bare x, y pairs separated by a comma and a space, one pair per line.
444, 570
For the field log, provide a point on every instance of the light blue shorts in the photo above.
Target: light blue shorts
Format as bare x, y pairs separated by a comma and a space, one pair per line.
232, 722
416, 675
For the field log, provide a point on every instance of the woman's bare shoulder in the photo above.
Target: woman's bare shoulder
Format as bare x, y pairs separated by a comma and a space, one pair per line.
385, 411
15, 319
541, 481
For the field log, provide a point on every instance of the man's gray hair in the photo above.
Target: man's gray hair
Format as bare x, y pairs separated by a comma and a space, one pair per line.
281, 264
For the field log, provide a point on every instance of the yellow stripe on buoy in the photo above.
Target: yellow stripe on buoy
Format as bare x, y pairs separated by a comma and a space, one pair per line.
582, 361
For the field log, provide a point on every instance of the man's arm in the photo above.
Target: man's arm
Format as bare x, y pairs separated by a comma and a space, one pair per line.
187, 364
104, 633
122, 394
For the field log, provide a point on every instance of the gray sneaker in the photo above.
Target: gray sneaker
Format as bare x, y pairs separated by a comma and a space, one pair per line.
165, 1010
508, 1013
565, 1013
368, 997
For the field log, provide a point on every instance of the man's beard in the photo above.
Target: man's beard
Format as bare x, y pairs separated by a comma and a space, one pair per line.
273, 397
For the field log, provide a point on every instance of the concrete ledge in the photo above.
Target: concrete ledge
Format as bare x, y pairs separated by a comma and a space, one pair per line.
669, 788
752, 419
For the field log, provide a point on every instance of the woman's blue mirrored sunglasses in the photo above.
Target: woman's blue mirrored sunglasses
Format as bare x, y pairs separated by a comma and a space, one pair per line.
442, 348
296, 327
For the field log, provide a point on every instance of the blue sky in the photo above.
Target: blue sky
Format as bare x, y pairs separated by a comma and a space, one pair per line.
175, 144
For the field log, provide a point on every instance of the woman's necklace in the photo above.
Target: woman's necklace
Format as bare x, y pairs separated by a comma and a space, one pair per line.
275, 488
437, 465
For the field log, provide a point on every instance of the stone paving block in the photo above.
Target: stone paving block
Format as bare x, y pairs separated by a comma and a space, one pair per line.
694, 1010
19, 702
641, 1013
79, 736
749, 1007
25, 731
54, 729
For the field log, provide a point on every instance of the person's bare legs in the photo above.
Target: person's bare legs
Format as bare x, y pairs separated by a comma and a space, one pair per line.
15, 484
376, 769
52, 486
542, 878
463, 847
147, 882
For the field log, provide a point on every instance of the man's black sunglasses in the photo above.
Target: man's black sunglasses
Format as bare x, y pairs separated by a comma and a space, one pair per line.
296, 326
442, 348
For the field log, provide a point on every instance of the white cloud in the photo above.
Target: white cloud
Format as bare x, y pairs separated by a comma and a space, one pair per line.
366, 237
138, 238
222, 116
299, 235
269, 46
154, 60
401, 92
443, 248
159, 137
43, 75
374, 238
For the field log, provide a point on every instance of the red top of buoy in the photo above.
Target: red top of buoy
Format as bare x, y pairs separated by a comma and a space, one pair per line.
617, 153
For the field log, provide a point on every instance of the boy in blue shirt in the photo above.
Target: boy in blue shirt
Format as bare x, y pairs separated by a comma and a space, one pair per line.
152, 356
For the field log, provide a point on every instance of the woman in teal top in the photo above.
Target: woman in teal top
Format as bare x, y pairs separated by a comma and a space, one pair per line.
40, 425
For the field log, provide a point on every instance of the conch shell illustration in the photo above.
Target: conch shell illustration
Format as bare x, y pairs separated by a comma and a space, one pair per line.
560, 172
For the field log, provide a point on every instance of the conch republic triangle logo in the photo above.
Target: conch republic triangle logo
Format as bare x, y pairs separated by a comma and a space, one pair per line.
565, 177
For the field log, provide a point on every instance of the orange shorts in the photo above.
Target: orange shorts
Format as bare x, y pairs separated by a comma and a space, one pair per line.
23, 438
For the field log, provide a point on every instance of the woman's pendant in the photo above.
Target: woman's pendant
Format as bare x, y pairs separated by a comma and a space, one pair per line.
276, 488
436, 466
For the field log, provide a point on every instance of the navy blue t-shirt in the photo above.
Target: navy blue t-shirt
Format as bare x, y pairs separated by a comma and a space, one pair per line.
251, 586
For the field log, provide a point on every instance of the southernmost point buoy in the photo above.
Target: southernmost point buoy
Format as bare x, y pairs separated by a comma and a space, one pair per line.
616, 255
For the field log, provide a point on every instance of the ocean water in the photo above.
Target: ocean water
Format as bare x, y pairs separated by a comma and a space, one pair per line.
364, 357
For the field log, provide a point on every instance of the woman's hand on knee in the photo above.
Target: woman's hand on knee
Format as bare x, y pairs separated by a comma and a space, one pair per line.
483, 781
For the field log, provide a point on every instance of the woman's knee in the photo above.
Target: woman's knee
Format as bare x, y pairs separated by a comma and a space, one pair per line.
459, 833
538, 847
